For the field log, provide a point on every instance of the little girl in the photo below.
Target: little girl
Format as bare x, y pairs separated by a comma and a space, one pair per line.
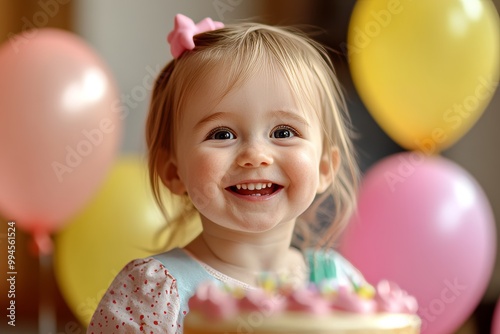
248, 124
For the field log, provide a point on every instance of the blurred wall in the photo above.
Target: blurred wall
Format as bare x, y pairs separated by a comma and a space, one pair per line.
16, 16
6, 18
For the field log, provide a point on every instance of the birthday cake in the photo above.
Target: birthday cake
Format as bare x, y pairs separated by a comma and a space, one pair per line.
327, 308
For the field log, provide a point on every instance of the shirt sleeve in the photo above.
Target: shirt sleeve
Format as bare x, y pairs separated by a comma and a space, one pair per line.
143, 298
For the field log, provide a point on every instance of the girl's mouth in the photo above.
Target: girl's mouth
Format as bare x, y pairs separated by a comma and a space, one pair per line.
255, 189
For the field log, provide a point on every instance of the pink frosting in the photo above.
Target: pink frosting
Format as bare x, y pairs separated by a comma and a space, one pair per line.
307, 300
219, 303
349, 301
391, 298
212, 301
260, 300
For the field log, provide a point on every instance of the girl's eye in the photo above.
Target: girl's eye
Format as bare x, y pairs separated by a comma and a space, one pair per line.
284, 131
221, 134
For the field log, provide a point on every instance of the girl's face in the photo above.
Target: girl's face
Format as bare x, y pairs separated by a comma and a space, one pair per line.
250, 160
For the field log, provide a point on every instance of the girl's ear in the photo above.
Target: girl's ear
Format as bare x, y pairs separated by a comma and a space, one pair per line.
328, 167
169, 175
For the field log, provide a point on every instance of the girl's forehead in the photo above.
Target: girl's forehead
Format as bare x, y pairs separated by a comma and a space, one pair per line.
263, 85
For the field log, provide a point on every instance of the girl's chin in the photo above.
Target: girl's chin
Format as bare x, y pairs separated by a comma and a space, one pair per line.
258, 225
251, 228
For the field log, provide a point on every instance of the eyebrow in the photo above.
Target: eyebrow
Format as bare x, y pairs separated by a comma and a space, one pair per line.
211, 118
276, 113
290, 114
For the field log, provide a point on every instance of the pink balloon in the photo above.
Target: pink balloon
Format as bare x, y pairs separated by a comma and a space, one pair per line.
60, 127
426, 224
495, 328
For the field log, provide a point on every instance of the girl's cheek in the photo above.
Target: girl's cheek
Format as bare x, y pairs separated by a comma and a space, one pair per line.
306, 160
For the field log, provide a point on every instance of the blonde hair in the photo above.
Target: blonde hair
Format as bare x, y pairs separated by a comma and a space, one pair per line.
239, 50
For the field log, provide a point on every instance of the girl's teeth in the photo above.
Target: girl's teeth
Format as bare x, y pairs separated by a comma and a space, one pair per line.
254, 186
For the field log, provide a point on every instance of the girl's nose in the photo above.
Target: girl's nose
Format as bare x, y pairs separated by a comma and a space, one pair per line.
254, 155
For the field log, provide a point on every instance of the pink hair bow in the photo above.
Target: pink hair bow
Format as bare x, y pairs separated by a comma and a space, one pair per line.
181, 38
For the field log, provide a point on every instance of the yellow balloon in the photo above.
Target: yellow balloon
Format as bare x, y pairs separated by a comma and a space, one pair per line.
425, 69
121, 223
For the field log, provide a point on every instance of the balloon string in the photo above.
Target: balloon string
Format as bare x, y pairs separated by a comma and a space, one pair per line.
47, 322
42, 243
42, 247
